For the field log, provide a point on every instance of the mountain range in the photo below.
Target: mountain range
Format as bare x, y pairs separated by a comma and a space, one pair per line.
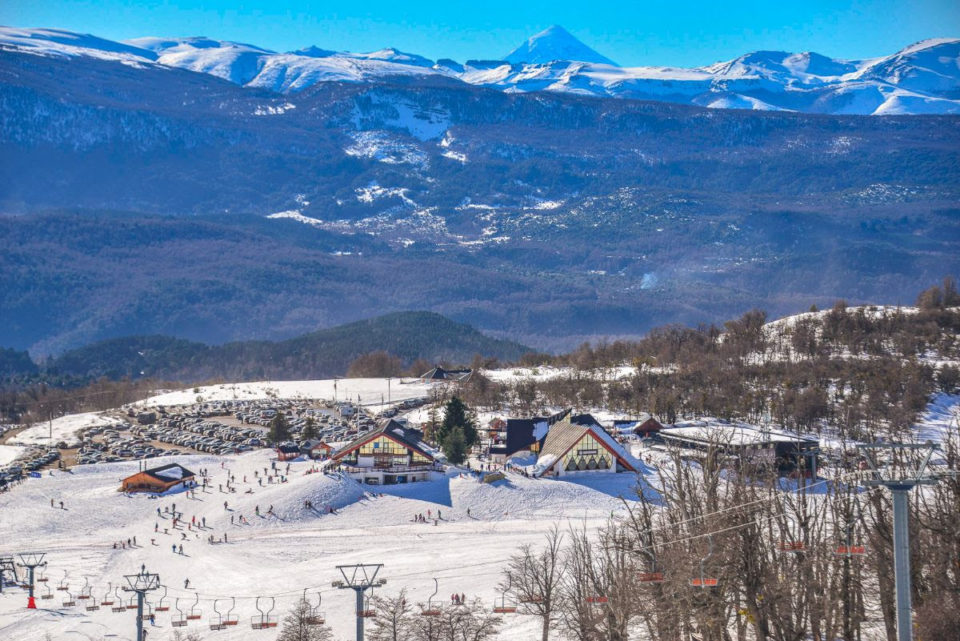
140, 197
923, 78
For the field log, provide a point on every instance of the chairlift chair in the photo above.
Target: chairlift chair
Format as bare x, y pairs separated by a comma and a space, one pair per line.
217, 623
195, 614
69, 601
316, 617
181, 620
85, 590
789, 545
367, 612
430, 610
848, 548
703, 581
132, 602
107, 601
48, 594
119, 607
264, 620
160, 605
63, 585
42, 578
504, 606
230, 618
654, 575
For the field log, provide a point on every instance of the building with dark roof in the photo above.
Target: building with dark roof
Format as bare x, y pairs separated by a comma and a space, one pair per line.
519, 434
158, 479
389, 454
440, 374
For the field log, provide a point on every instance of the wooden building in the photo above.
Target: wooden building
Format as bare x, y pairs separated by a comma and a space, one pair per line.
287, 451
579, 444
158, 479
389, 454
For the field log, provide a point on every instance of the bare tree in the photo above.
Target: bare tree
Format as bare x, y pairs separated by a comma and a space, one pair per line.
296, 625
535, 577
394, 620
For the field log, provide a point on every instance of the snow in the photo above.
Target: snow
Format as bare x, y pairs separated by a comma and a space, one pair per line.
555, 43
282, 554
733, 433
369, 390
941, 417
921, 78
9, 453
63, 429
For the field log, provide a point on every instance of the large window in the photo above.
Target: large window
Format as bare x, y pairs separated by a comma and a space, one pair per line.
588, 454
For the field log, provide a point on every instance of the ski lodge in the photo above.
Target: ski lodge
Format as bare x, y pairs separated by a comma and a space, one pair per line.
518, 434
158, 479
579, 444
389, 454
287, 451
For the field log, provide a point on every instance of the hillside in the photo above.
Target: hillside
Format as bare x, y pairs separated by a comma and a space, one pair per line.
549, 218
411, 336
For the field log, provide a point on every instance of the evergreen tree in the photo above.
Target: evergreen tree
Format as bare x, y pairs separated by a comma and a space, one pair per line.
454, 446
457, 415
296, 627
279, 430
310, 429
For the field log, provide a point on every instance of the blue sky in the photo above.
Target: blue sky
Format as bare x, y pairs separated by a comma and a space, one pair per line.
652, 32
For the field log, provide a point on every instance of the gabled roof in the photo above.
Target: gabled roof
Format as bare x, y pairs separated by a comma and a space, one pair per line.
524, 432
440, 374
288, 448
393, 430
567, 433
169, 473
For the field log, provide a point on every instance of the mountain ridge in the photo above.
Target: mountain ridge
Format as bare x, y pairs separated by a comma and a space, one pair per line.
919, 79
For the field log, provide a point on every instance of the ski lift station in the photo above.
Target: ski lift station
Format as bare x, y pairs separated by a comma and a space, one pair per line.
772, 449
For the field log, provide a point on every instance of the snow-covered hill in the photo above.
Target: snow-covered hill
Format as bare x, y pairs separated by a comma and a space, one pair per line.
923, 78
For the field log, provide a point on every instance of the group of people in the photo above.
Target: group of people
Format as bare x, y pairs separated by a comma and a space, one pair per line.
123, 545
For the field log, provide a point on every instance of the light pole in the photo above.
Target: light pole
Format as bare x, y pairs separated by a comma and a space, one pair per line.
31, 560
361, 578
900, 471
141, 583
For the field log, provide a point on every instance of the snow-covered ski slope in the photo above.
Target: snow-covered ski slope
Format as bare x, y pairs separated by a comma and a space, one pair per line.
279, 555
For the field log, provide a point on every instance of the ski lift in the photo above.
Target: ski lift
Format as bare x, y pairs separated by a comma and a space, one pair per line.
431, 611
789, 545
91, 604
848, 548
367, 611
132, 601
654, 575
119, 607
106, 601
264, 620
228, 619
181, 620
217, 624
160, 606
504, 607
704, 581
42, 578
69, 601
85, 590
48, 594
316, 617
195, 614
63, 585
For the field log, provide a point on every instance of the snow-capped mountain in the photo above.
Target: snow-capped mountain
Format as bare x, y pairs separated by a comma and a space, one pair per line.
923, 78
555, 43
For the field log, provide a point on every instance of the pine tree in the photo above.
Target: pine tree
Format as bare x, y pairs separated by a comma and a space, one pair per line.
279, 430
296, 628
310, 429
455, 446
457, 414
